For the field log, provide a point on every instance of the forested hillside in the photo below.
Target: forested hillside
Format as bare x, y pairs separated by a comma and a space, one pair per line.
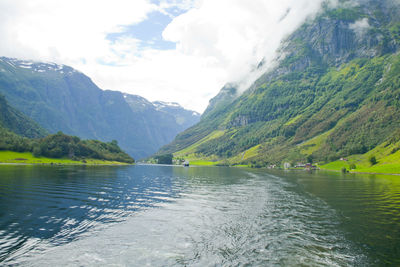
335, 93
14, 121
20, 134
16, 128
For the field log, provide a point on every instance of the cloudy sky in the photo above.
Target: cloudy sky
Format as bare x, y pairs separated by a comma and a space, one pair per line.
170, 50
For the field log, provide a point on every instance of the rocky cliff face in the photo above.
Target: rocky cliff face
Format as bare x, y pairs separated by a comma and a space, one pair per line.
350, 31
355, 29
225, 97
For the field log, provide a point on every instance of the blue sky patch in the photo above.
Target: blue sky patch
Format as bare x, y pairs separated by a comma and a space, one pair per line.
149, 31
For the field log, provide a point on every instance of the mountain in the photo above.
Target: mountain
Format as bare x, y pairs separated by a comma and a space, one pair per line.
12, 120
163, 120
183, 117
19, 133
335, 92
61, 98
16, 128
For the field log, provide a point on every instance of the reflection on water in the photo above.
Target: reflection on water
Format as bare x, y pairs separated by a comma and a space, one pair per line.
57, 204
162, 215
368, 205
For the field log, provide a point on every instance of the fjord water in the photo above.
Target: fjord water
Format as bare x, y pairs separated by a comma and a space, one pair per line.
199, 216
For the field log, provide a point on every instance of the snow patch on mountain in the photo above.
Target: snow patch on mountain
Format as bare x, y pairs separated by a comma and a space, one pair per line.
161, 105
39, 66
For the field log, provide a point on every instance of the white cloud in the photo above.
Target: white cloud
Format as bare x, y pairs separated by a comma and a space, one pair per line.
217, 41
163, 75
236, 35
65, 30
360, 27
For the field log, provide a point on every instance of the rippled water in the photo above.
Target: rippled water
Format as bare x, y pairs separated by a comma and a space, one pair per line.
197, 216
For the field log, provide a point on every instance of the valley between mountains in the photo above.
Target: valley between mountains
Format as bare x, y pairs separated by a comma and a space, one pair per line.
331, 98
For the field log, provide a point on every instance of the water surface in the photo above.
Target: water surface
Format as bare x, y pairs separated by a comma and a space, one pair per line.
197, 216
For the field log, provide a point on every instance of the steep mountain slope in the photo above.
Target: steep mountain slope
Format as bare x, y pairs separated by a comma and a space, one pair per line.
60, 98
335, 93
11, 120
18, 133
163, 120
16, 128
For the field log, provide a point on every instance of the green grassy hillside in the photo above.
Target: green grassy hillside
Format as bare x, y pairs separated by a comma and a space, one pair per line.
387, 157
7, 157
336, 94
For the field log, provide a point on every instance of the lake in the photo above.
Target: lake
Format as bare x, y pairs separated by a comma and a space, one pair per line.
197, 216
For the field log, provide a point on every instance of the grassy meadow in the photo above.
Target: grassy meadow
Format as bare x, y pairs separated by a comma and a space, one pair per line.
27, 158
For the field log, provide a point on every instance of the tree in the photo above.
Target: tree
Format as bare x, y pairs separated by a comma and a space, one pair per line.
372, 160
114, 142
37, 152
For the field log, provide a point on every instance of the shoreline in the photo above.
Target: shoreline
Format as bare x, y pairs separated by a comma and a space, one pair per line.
353, 172
26, 158
194, 165
330, 170
377, 173
63, 164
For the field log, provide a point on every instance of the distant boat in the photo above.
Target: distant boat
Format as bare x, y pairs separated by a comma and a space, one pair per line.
186, 163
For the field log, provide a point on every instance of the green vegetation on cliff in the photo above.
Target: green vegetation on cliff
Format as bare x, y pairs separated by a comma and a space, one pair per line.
17, 122
335, 95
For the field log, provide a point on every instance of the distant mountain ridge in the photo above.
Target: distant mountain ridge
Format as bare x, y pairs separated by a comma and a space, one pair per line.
334, 93
60, 98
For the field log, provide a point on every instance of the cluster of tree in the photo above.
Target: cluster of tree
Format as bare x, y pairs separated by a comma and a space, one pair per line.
13, 142
164, 159
61, 146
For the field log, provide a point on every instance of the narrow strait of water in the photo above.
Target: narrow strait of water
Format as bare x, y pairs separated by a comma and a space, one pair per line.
198, 216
